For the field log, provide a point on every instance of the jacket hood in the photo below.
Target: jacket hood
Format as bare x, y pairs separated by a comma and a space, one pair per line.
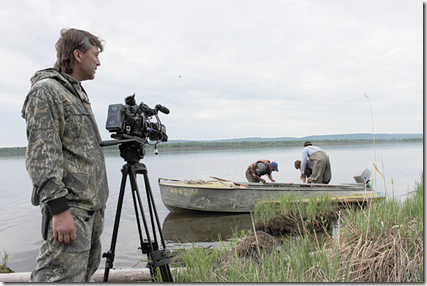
49, 73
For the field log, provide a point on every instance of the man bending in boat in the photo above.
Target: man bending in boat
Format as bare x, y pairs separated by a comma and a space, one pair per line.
261, 168
319, 162
307, 172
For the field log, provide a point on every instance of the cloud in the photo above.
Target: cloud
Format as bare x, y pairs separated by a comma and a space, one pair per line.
232, 68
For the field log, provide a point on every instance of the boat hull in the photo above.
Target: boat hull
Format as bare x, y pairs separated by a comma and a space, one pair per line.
218, 196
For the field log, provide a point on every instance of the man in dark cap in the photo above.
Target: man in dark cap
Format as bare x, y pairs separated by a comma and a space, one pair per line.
319, 161
260, 168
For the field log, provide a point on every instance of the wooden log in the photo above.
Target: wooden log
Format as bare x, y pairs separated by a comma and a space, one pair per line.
115, 275
123, 275
15, 277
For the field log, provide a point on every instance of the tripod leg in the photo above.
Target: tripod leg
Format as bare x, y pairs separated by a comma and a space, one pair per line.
149, 246
164, 268
153, 209
158, 257
109, 255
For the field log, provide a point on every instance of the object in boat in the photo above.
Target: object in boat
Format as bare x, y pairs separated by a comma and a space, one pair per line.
221, 195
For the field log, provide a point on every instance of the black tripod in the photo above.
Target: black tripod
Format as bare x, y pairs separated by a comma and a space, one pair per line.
132, 151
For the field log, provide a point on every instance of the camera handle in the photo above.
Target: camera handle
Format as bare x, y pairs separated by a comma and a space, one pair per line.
159, 258
121, 139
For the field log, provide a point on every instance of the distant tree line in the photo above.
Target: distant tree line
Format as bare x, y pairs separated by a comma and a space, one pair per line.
12, 151
267, 144
20, 151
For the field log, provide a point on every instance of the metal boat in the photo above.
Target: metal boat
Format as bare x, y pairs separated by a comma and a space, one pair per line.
221, 195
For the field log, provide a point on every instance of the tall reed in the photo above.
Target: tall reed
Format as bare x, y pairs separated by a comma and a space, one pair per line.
386, 246
3, 265
381, 244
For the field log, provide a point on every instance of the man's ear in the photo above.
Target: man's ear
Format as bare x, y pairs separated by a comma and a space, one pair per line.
77, 55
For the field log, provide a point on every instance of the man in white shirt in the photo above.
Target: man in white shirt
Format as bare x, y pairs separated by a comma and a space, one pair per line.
319, 162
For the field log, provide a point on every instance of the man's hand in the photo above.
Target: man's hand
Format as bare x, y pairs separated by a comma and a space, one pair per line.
302, 177
64, 227
258, 178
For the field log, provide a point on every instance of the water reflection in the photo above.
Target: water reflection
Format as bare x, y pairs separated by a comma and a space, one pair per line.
203, 227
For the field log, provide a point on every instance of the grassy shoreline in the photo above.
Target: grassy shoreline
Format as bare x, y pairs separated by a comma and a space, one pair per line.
380, 243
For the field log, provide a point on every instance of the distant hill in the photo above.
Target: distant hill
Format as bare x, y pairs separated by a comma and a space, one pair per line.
356, 136
254, 142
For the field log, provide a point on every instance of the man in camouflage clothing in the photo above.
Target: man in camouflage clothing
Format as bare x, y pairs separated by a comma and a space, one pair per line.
66, 163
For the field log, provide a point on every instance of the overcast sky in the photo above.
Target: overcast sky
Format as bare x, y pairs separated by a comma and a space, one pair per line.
228, 68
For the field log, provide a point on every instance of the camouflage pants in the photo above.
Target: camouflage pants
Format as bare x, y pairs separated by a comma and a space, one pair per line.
72, 263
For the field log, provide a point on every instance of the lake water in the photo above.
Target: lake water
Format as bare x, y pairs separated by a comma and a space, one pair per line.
401, 163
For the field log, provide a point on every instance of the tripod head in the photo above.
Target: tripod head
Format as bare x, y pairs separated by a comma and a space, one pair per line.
132, 148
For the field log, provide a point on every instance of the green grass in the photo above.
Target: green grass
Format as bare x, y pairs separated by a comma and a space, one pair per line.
381, 243
3, 266
299, 216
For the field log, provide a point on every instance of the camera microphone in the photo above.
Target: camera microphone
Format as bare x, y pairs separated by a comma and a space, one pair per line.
163, 109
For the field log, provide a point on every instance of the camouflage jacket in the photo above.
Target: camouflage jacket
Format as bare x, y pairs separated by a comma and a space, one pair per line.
63, 158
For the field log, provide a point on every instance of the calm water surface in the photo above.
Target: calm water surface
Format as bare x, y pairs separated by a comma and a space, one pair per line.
401, 163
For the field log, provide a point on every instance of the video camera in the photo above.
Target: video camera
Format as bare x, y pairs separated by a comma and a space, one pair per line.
131, 123
134, 120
